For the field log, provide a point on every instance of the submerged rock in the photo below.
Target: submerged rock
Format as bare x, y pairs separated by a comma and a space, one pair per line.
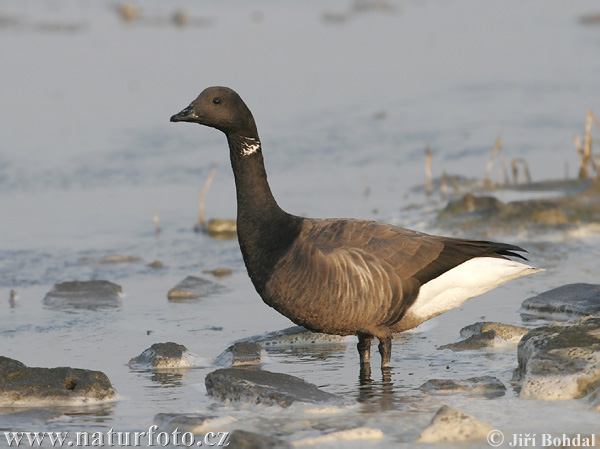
294, 336
470, 204
594, 400
263, 387
487, 386
165, 355
508, 332
192, 422
242, 439
559, 362
222, 229
29, 416
576, 300
22, 385
240, 354
155, 264
219, 272
488, 339
193, 287
451, 426
581, 205
356, 434
112, 258
91, 295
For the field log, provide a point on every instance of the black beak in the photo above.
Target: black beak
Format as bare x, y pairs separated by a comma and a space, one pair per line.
187, 115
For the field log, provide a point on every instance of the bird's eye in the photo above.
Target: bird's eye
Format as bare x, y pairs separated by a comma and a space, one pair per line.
217, 100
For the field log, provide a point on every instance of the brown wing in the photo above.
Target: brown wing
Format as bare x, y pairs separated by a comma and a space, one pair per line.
351, 276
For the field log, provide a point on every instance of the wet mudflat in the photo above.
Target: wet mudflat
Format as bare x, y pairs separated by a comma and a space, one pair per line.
347, 97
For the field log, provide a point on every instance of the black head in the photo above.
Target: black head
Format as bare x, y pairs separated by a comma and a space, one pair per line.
220, 108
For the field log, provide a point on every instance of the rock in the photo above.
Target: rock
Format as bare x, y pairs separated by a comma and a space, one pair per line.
356, 434
165, 355
472, 205
193, 287
155, 264
29, 416
489, 339
551, 216
508, 332
222, 229
590, 18
21, 385
576, 300
294, 336
450, 426
240, 354
191, 422
219, 272
91, 295
242, 439
263, 387
128, 12
116, 258
487, 386
594, 400
559, 362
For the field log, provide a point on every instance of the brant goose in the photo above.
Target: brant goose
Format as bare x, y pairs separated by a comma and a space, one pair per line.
344, 276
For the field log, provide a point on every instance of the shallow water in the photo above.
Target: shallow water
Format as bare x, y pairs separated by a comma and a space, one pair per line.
345, 111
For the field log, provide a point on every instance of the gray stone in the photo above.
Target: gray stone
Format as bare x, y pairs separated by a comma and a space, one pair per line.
165, 355
470, 204
293, 336
451, 426
573, 300
155, 264
111, 258
242, 439
487, 386
193, 287
342, 437
559, 362
29, 416
222, 229
191, 422
594, 400
508, 332
219, 272
90, 295
263, 387
240, 354
21, 385
489, 339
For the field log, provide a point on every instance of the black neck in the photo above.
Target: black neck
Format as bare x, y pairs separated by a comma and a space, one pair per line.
265, 231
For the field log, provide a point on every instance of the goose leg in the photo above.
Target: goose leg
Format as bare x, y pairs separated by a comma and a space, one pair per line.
364, 348
385, 349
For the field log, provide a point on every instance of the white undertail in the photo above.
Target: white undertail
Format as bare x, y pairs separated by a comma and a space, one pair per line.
468, 280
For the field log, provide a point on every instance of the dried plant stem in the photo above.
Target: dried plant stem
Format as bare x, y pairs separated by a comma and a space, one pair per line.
428, 162
515, 169
156, 222
455, 185
444, 185
579, 149
586, 153
202, 196
496, 150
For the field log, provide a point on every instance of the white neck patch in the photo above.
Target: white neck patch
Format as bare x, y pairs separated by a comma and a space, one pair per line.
249, 146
